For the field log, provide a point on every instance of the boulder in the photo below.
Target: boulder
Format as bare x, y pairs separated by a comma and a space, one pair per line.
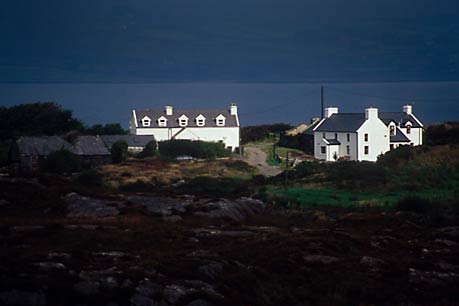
212, 270
140, 300
86, 287
236, 210
80, 206
160, 206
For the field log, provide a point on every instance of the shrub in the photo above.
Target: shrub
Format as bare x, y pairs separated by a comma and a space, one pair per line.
150, 150
355, 174
119, 151
91, 177
215, 187
305, 169
61, 162
197, 149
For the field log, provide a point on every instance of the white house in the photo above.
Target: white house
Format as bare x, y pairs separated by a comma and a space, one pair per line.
364, 136
205, 125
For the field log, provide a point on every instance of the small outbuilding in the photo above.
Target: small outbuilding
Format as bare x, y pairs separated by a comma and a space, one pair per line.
92, 151
136, 143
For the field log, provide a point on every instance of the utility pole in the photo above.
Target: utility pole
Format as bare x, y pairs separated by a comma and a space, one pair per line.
322, 101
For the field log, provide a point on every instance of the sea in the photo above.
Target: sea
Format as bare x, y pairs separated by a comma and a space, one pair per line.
258, 103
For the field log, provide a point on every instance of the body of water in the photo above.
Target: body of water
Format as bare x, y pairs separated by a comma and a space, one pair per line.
258, 102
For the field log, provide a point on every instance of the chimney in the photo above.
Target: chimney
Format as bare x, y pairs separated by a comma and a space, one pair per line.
233, 109
371, 113
169, 110
328, 111
408, 109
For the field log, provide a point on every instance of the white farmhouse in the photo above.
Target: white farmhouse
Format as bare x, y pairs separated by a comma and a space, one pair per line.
364, 136
205, 125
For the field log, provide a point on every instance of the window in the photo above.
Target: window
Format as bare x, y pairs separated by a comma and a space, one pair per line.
408, 129
220, 120
336, 135
183, 121
162, 122
392, 130
323, 149
366, 150
348, 149
392, 146
324, 136
146, 121
200, 120
365, 137
348, 137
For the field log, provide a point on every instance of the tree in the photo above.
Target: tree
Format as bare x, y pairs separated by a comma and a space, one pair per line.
107, 129
150, 150
41, 118
62, 161
119, 151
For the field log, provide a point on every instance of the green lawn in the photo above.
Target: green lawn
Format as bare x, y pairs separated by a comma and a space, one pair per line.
331, 197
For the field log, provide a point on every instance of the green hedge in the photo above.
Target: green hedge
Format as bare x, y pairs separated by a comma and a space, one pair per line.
196, 149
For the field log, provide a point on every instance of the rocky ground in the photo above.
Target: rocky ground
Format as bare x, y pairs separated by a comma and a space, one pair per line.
60, 247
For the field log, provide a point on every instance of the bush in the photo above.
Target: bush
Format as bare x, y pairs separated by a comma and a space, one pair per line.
91, 177
61, 162
196, 149
150, 150
215, 187
305, 169
353, 174
119, 151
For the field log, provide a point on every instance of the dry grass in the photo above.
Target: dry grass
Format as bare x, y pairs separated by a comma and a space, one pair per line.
161, 172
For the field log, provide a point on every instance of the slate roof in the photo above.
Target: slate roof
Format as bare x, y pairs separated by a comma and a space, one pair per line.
351, 122
399, 137
132, 140
42, 145
398, 117
172, 120
342, 122
90, 145
310, 129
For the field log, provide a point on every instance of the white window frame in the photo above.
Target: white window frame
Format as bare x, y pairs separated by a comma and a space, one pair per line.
183, 121
220, 120
146, 121
200, 120
162, 121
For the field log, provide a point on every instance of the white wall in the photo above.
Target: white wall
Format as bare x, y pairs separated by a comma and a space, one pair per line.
228, 135
342, 151
415, 136
378, 139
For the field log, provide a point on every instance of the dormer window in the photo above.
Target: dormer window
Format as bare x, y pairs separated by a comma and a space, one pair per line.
183, 121
162, 121
220, 120
408, 127
146, 121
200, 120
392, 130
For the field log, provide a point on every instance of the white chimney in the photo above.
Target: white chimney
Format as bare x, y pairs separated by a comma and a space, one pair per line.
233, 109
328, 111
169, 110
408, 109
371, 113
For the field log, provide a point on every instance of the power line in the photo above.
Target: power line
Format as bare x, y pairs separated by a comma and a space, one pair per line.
391, 98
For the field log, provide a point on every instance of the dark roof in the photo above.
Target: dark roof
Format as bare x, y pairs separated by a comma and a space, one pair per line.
332, 142
399, 137
90, 145
342, 122
399, 118
172, 120
310, 129
42, 145
132, 140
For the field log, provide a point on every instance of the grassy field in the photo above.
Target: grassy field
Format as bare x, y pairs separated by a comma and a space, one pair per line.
314, 197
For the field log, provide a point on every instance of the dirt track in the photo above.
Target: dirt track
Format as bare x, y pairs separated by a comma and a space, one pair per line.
257, 158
